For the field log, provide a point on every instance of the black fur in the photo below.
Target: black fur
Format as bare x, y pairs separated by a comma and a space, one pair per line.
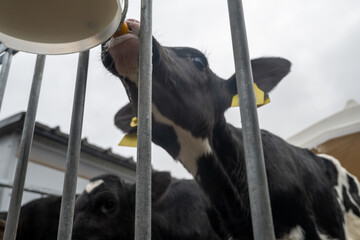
178, 211
301, 184
38, 219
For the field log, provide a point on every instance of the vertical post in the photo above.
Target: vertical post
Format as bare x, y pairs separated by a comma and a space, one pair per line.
143, 169
7, 56
255, 166
25, 147
73, 151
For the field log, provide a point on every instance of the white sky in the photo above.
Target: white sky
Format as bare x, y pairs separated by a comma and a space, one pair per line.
321, 38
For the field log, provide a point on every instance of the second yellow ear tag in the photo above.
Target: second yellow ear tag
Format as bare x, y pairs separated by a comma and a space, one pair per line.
261, 98
133, 122
129, 140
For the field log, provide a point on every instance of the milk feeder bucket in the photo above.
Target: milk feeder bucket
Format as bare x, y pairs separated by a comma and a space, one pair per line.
58, 26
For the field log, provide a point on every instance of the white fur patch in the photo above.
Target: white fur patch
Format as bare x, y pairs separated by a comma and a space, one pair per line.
326, 237
297, 233
92, 185
352, 226
352, 222
191, 148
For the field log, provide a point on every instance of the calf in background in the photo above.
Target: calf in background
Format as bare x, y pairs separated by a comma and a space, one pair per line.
2, 228
38, 219
106, 210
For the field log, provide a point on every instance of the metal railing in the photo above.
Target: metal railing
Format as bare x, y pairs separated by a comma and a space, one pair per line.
6, 56
25, 146
258, 190
143, 164
255, 166
73, 153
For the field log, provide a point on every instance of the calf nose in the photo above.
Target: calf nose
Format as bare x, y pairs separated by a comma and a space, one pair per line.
134, 26
132, 20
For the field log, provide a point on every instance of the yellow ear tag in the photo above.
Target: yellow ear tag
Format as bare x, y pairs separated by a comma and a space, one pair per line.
130, 140
133, 122
261, 98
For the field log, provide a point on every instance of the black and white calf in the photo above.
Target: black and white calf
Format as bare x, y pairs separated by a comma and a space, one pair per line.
106, 210
312, 197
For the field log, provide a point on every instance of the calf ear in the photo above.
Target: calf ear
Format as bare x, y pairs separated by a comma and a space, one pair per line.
160, 183
123, 119
267, 73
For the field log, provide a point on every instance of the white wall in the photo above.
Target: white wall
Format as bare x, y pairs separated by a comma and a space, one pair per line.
41, 176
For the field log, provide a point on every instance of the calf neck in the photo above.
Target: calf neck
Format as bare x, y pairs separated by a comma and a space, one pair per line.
189, 102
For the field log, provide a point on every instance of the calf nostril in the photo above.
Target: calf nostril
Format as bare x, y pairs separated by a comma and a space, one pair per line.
133, 24
132, 20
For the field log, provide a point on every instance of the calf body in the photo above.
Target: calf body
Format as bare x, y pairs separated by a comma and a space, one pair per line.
106, 210
2, 228
39, 219
189, 102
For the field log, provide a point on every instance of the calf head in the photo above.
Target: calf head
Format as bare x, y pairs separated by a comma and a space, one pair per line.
187, 96
106, 209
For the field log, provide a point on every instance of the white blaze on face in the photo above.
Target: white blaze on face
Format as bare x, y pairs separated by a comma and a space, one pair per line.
191, 148
92, 185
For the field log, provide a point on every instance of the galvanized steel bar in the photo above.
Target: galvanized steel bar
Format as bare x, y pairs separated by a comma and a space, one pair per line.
143, 169
25, 147
6, 62
255, 165
73, 151
2, 48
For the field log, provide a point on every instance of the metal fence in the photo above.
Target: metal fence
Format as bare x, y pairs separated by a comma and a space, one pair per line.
258, 190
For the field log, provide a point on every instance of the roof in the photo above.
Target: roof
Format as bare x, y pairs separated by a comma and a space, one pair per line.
342, 123
16, 123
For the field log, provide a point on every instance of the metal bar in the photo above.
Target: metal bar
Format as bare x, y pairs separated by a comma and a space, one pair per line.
73, 152
255, 166
6, 62
32, 189
143, 169
25, 147
2, 48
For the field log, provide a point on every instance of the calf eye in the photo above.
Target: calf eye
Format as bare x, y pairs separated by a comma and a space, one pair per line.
199, 62
108, 207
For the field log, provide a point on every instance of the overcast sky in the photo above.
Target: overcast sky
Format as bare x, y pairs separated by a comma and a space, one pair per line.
321, 38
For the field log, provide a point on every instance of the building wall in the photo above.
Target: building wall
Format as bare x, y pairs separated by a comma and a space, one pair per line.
42, 177
346, 149
46, 166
